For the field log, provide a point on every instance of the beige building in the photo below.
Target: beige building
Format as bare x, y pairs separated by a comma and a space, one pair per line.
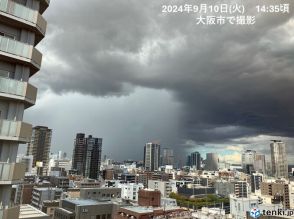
22, 27
278, 191
279, 159
39, 148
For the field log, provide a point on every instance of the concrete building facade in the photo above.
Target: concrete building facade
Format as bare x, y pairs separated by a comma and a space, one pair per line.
212, 162
151, 156
87, 156
22, 27
39, 148
279, 159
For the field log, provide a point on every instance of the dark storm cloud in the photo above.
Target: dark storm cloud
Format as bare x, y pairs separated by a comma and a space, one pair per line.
233, 81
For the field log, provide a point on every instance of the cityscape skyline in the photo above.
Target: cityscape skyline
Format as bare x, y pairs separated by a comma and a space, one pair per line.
208, 101
146, 109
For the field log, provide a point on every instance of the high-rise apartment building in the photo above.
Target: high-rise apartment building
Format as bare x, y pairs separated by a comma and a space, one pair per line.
39, 148
168, 156
87, 156
279, 159
248, 158
259, 164
212, 161
22, 27
151, 156
194, 160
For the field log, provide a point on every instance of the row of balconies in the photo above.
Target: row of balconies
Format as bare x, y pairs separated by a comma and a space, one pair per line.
17, 52
18, 90
15, 131
19, 15
11, 172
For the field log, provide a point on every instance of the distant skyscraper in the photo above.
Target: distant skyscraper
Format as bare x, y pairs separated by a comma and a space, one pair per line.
194, 160
40, 146
151, 156
87, 156
279, 159
212, 161
168, 156
248, 158
259, 164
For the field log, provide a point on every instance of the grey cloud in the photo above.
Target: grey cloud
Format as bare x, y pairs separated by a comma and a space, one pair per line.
228, 76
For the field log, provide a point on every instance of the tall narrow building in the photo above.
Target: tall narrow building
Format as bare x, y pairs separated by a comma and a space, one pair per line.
212, 162
194, 160
86, 158
151, 156
168, 156
248, 158
39, 148
279, 159
22, 27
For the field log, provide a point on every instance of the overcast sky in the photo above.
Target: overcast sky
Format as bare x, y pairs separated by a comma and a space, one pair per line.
123, 71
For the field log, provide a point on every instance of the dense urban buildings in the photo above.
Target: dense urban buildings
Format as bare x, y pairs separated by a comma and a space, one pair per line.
39, 148
279, 159
87, 156
22, 27
151, 156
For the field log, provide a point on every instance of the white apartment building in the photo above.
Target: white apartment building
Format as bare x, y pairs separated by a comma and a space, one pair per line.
240, 206
129, 191
164, 187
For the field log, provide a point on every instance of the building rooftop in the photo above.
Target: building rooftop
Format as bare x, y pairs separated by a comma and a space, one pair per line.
85, 202
46, 189
142, 209
28, 211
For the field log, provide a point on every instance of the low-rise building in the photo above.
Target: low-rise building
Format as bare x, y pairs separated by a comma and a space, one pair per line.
29, 212
130, 191
100, 194
42, 194
163, 186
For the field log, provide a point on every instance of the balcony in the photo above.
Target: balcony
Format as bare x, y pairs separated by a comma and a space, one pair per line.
44, 5
15, 131
9, 213
18, 52
21, 16
11, 172
18, 90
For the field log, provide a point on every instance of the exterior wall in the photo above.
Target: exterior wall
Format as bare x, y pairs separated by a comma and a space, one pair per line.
224, 188
149, 198
87, 156
83, 211
248, 158
211, 162
39, 147
168, 156
130, 191
279, 159
16, 95
151, 156
239, 206
100, 193
163, 186
41, 194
